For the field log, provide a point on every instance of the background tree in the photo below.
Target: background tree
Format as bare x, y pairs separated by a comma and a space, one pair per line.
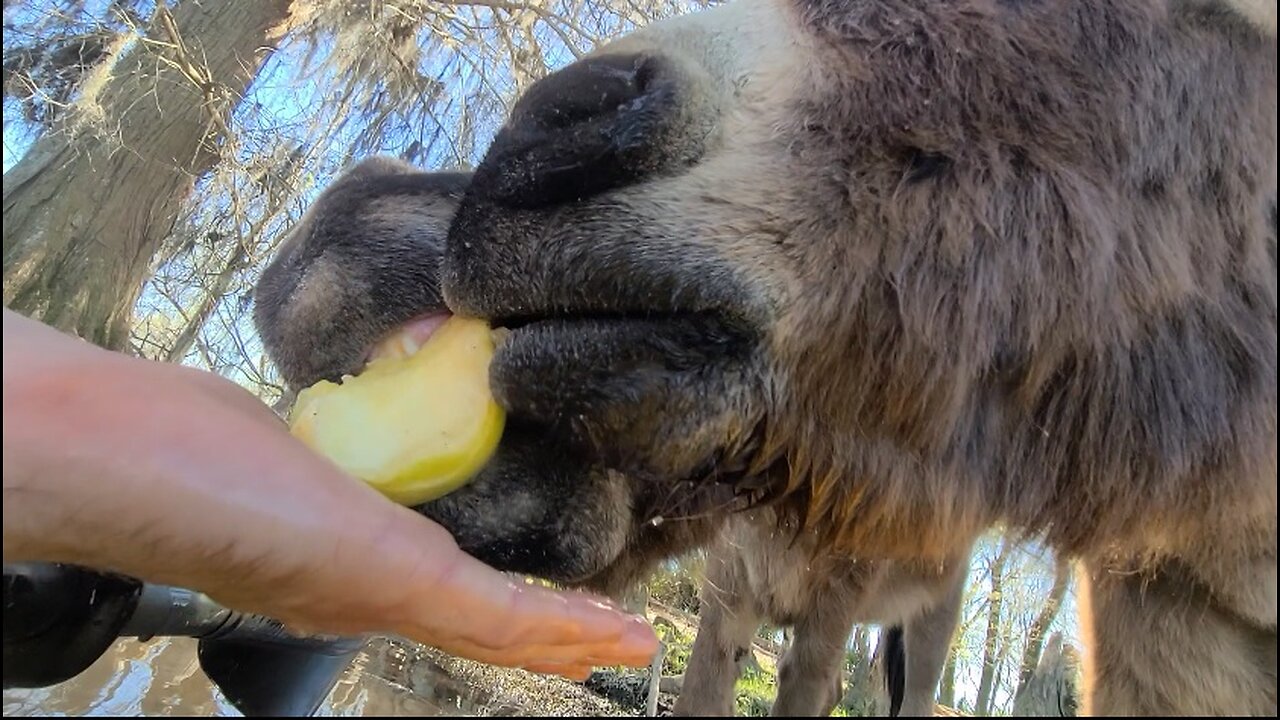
91, 201
1049, 613
992, 649
1017, 594
1053, 687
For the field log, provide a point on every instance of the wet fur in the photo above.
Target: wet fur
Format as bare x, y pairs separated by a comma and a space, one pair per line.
899, 270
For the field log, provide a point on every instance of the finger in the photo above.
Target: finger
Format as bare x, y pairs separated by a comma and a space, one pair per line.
516, 618
527, 656
597, 654
454, 594
571, 670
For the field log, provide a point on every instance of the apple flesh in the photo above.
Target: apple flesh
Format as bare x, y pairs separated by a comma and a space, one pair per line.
418, 422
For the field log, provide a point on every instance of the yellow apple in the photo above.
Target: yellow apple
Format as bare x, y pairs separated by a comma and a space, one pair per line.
416, 424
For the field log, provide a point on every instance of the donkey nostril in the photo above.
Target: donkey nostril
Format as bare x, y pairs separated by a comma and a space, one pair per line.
645, 74
599, 124
587, 91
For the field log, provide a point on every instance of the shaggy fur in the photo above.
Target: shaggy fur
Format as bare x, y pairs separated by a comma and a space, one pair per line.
384, 223
902, 270
362, 260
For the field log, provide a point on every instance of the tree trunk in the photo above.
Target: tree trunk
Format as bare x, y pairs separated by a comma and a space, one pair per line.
1053, 689
865, 694
1035, 638
991, 647
92, 199
655, 681
947, 686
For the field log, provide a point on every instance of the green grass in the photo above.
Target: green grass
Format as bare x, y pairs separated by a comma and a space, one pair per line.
679, 646
676, 585
755, 693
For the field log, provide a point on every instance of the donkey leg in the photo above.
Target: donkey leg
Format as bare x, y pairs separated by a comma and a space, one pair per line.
1164, 643
928, 640
812, 666
728, 624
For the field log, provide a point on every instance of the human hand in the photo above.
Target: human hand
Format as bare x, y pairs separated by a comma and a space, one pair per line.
178, 476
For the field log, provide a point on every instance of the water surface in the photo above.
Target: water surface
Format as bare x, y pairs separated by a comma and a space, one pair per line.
163, 678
